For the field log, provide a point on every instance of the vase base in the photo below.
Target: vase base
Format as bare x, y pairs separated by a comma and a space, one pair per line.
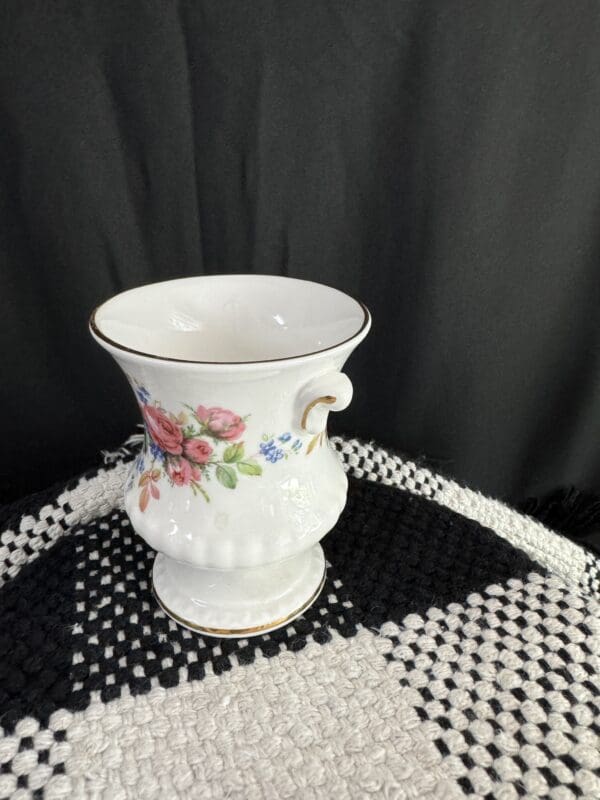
238, 603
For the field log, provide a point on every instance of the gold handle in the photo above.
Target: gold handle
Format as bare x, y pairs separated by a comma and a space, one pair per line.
328, 398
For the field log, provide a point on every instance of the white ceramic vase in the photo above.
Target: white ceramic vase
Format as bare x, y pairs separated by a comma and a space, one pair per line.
236, 482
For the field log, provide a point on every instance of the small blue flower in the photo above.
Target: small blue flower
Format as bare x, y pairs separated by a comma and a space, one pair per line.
270, 450
139, 464
156, 452
143, 394
267, 447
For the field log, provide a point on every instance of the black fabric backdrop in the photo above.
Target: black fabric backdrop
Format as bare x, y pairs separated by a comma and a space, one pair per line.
438, 160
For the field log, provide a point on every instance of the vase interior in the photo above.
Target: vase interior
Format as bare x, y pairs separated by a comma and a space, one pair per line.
230, 319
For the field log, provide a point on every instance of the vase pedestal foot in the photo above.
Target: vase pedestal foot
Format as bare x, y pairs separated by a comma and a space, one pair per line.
238, 603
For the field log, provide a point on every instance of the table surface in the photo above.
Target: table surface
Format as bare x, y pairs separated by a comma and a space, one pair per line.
452, 653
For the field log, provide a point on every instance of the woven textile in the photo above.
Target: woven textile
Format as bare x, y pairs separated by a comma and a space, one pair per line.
452, 654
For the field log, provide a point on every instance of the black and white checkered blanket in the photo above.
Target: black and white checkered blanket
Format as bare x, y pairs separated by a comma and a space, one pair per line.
453, 653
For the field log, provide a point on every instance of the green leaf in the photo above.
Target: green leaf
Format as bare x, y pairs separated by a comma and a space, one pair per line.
249, 467
226, 476
235, 452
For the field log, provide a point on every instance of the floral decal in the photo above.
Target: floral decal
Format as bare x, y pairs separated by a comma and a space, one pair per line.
197, 445
274, 448
150, 489
221, 423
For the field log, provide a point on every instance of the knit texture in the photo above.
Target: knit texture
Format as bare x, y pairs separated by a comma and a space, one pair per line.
453, 653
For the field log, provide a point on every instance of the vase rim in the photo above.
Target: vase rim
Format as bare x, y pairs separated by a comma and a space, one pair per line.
354, 337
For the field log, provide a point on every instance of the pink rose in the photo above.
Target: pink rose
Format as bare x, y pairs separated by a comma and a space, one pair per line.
223, 424
181, 471
197, 450
166, 433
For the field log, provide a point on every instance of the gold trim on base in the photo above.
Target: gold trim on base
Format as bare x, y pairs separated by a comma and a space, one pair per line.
278, 623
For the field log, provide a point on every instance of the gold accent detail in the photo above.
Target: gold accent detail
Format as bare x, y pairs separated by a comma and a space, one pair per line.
327, 398
312, 444
241, 631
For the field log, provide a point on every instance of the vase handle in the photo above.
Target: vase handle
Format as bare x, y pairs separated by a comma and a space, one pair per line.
325, 393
